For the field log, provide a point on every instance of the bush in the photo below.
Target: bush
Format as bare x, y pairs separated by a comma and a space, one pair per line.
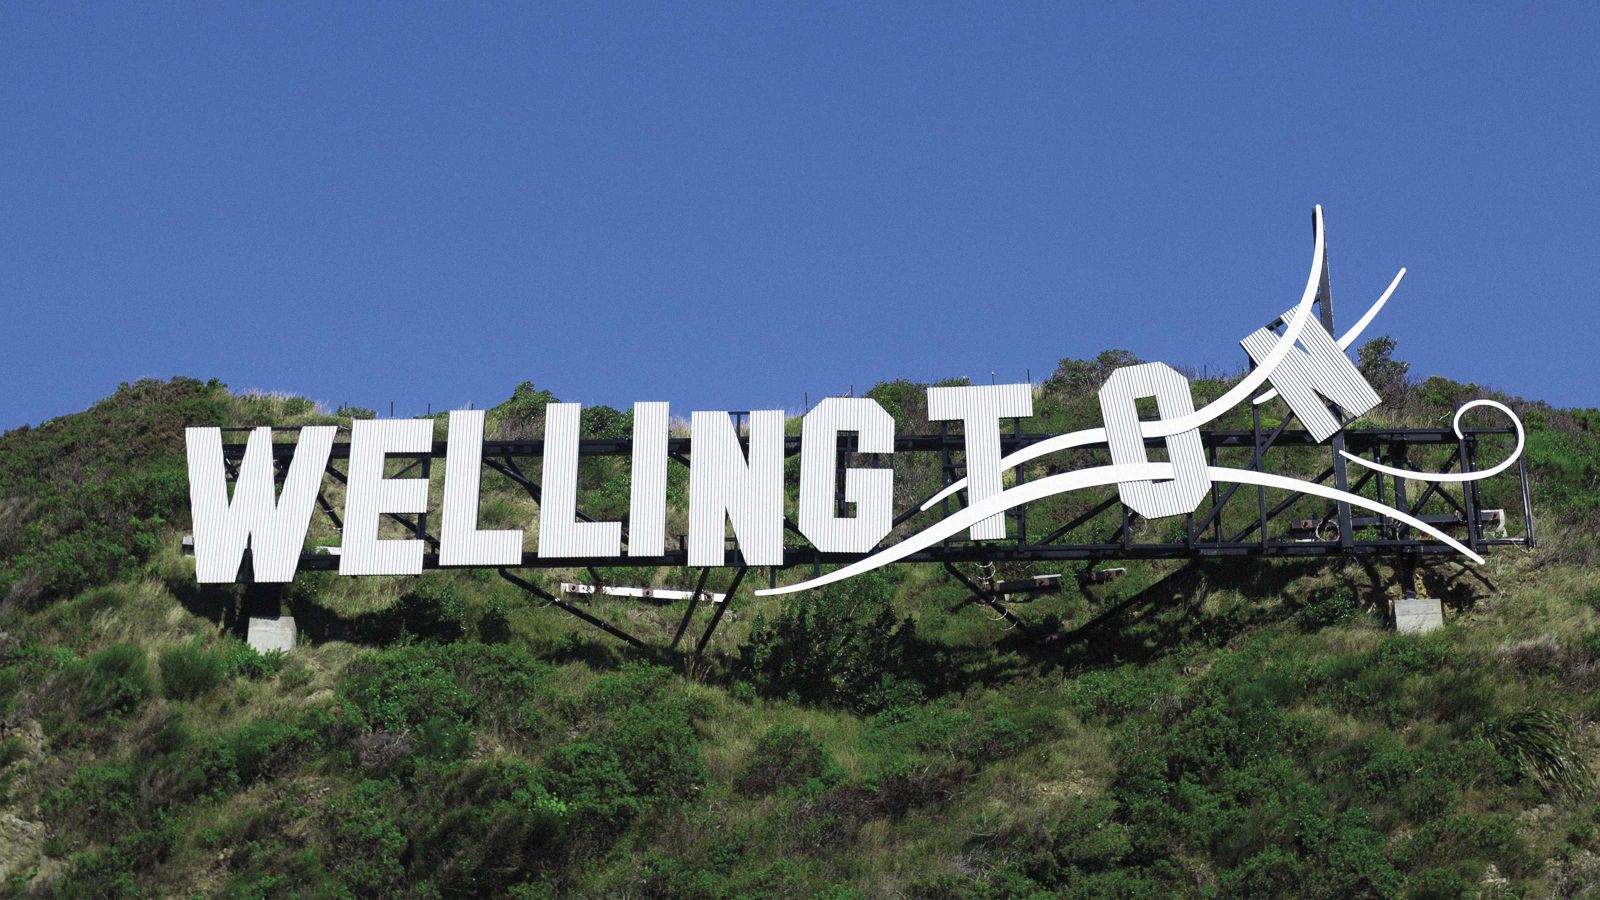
1540, 743
964, 735
99, 800
638, 747
399, 690
434, 694
494, 623
431, 612
489, 827
104, 486
1113, 694
1337, 607
368, 840
841, 646
189, 670
113, 871
240, 660
784, 757
115, 681
263, 748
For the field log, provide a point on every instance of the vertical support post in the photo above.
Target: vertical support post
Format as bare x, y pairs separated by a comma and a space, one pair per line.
1379, 479
840, 463
1341, 477
946, 472
1255, 463
1397, 458
1468, 495
1477, 487
1527, 500
422, 517
1022, 478
1216, 512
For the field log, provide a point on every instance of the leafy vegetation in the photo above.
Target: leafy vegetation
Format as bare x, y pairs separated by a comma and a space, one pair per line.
1220, 728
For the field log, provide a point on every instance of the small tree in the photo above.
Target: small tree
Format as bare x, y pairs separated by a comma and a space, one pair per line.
1387, 375
1083, 376
840, 646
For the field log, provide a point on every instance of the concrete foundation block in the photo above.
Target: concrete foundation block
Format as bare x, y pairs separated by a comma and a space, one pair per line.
1417, 615
265, 635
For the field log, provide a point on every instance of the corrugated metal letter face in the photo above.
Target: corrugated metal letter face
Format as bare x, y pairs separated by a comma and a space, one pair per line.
460, 541
980, 409
369, 495
560, 532
274, 528
1301, 377
647, 502
724, 486
1121, 413
871, 490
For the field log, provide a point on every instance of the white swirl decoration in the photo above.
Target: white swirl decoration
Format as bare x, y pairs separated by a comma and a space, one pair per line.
1454, 477
1101, 476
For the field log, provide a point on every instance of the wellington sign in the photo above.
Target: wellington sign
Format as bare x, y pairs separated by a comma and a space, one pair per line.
738, 479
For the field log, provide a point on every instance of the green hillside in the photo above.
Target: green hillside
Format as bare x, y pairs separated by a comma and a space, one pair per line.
1225, 728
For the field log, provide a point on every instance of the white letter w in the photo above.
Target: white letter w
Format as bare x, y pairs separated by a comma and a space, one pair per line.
275, 529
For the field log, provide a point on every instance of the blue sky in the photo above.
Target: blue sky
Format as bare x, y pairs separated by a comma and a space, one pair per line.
730, 206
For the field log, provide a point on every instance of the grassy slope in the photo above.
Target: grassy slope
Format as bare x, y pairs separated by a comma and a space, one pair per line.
1215, 728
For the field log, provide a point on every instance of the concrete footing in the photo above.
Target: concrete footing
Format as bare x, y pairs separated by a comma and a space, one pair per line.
1417, 615
267, 634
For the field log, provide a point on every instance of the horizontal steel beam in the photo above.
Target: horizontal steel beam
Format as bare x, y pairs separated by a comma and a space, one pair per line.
996, 552
1355, 439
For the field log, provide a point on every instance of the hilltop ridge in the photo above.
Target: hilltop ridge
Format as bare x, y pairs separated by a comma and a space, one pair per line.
1204, 728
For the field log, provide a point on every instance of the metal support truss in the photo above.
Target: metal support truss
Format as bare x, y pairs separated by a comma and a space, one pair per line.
986, 597
1220, 527
1256, 528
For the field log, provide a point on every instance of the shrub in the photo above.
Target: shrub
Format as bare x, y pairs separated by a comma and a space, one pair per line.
588, 776
1337, 607
189, 670
494, 622
368, 840
1387, 375
113, 681
1541, 744
841, 646
489, 827
104, 486
637, 746
100, 800
784, 757
432, 612
1112, 694
398, 690
944, 731
263, 748
434, 694
113, 871
240, 660
658, 749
